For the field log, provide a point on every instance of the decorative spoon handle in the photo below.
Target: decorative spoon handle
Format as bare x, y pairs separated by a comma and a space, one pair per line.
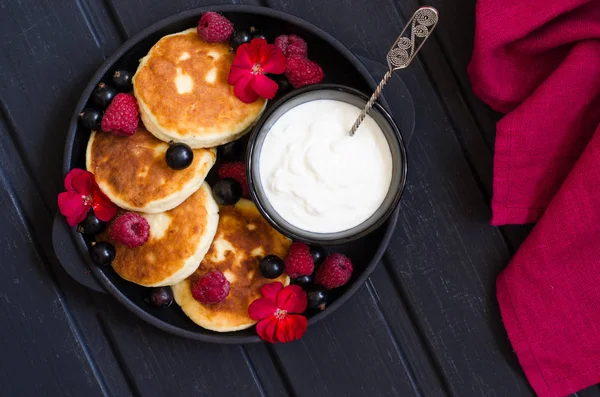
403, 52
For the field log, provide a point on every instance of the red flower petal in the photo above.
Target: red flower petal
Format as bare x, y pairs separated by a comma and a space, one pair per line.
292, 299
261, 308
236, 73
104, 209
244, 57
264, 86
71, 205
263, 50
291, 328
76, 219
243, 89
84, 183
75, 174
270, 291
276, 62
254, 54
266, 329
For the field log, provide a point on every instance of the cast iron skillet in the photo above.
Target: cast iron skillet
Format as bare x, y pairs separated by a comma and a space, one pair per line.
341, 67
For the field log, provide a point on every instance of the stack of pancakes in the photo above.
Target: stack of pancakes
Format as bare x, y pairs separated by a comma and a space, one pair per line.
183, 96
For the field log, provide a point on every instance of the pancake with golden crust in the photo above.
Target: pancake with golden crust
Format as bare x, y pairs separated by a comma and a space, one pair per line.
178, 241
243, 238
133, 173
183, 94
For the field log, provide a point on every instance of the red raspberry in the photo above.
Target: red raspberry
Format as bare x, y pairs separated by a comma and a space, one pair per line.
121, 117
282, 43
237, 172
301, 71
334, 272
213, 287
130, 229
298, 261
292, 45
214, 27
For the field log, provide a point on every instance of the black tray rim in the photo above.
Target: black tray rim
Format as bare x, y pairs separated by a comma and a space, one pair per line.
72, 130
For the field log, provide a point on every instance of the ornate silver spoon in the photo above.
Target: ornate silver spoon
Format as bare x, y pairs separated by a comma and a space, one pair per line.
403, 52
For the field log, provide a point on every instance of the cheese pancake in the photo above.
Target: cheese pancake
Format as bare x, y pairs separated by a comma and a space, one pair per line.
133, 173
183, 94
178, 241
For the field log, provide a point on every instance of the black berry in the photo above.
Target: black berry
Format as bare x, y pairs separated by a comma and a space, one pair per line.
317, 297
103, 95
227, 191
318, 254
102, 253
159, 297
303, 281
231, 151
179, 156
238, 38
91, 225
122, 80
271, 266
283, 84
91, 119
257, 34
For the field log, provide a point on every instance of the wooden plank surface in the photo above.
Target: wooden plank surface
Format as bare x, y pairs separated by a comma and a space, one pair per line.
40, 338
425, 324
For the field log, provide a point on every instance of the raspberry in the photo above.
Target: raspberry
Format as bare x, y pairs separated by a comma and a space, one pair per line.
292, 45
121, 117
213, 287
334, 272
282, 43
297, 46
298, 261
130, 229
214, 27
237, 172
301, 71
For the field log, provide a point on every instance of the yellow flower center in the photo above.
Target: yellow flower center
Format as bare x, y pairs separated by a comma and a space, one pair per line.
257, 69
280, 314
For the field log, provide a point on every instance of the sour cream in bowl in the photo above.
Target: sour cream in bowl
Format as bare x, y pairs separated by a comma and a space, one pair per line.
315, 183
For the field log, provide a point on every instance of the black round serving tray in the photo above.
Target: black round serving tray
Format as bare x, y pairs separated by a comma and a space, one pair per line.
341, 67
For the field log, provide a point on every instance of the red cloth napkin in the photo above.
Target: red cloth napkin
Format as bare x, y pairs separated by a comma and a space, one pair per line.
539, 62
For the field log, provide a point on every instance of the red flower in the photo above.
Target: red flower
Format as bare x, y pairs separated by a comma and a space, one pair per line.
82, 194
273, 312
247, 73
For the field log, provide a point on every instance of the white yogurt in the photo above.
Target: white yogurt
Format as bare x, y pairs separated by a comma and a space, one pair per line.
316, 176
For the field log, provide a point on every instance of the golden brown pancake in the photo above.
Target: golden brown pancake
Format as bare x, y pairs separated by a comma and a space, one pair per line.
183, 94
178, 240
133, 173
243, 238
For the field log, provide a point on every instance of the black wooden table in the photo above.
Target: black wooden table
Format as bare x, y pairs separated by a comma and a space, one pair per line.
425, 324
